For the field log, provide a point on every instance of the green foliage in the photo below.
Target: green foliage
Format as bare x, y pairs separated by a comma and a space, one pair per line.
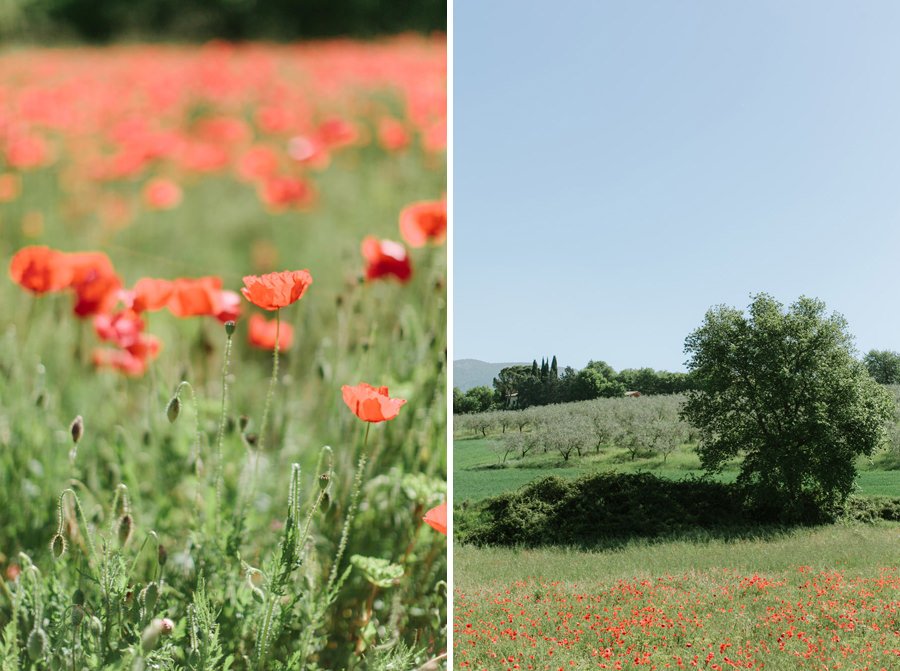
103, 20
883, 366
782, 390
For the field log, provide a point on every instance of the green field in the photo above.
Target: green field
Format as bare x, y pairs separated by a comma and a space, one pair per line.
476, 475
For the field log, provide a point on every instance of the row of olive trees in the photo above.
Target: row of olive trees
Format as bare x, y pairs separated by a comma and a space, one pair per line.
641, 426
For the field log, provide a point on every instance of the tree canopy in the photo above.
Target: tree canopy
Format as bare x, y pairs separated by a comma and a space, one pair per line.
781, 389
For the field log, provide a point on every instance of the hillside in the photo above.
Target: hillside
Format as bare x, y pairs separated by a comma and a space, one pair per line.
468, 373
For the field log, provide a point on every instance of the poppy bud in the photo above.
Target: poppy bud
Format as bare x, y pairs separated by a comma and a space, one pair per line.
39, 401
252, 439
77, 429
229, 328
58, 546
150, 637
78, 598
324, 480
161, 556
167, 625
95, 625
126, 524
37, 644
243, 422
77, 615
149, 596
173, 409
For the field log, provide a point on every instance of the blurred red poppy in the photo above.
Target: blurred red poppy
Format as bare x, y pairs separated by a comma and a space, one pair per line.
276, 290
122, 328
371, 404
230, 302
424, 222
40, 269
162, 194
10, 187
95, 282
385, 258
151, 294
281, 193
194, 297
119, 359
436, 518
261, 333
392, 134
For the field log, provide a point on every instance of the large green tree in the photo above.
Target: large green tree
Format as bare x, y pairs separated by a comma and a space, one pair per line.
781, 389
883, 365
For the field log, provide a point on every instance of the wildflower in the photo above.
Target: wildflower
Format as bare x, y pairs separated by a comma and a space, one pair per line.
371, 404
392, 134
436, 518
385, 258
261, 333
40, 269
424, 222
230, 302
10, 187
162, 194
95, 282
151, 294
122, 328
192, 297
276, 290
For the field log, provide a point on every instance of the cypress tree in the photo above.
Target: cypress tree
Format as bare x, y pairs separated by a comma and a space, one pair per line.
554, 370
534, 369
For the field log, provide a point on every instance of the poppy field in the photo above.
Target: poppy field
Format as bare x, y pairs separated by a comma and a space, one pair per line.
222, 356
826, 598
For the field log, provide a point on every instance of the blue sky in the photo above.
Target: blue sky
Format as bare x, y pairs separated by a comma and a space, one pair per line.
620, 167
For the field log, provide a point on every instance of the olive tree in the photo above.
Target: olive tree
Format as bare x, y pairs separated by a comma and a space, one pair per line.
782, 389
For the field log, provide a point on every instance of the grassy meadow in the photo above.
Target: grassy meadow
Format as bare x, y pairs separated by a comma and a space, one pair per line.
210, 515
820, 597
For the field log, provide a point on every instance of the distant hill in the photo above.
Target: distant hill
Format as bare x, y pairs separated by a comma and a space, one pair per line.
468, 373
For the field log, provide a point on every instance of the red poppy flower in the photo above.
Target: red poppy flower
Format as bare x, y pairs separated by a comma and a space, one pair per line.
122, 328
276, 290
261, 333
145, 348
95, 282
281, 193
151, 294
119, 359
392, 134
230, 302
424, 222
162, 194
40, 269
258, 162
371, 404
436, 518
196, 297
385, 258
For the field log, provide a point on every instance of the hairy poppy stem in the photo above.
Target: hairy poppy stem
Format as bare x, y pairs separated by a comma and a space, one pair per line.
222, 418
265, 418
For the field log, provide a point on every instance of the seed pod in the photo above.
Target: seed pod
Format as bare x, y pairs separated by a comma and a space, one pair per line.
77, 615
173, 409
229, 328
37, 644
58, 546
77, 429
126, 526
161, 555
149, 596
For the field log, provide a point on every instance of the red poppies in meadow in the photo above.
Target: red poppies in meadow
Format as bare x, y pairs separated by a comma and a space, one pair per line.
40, 270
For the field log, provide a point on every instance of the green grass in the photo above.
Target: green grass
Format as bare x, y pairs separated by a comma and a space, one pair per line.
476, 475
